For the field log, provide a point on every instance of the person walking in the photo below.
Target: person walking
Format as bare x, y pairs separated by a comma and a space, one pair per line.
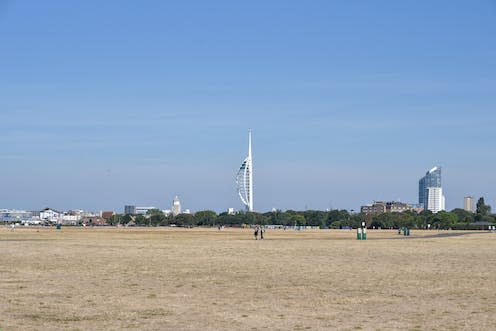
256, 232
262, 230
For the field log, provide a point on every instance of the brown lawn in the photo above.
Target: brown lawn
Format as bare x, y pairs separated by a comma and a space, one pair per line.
205, 279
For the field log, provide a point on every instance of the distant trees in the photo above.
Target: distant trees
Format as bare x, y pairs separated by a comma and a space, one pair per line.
457, 218
205, 217
463, 216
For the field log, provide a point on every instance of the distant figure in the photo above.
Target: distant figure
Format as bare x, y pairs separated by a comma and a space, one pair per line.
256, 232
262, 229
12, 227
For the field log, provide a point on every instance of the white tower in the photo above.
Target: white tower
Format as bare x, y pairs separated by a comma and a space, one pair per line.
176, 206
244, 179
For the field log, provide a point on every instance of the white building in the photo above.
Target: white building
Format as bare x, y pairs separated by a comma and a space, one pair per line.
50, 215
176, 206
435, 199
143, 210
70, 219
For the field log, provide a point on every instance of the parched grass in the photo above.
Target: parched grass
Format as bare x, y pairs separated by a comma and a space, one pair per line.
205, 279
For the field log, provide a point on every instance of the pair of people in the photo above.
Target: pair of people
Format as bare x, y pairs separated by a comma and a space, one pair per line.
259, 229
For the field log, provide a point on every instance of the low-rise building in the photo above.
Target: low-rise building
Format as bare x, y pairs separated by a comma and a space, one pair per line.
379, 207
143, 210
51, 215
12, 215
95, 220
70, 219
397, 207
107, 214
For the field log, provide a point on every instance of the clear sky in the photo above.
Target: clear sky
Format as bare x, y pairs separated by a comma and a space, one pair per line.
107, 103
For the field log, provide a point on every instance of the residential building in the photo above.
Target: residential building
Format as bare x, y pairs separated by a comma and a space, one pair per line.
93, 221
51, 215
378, 207
435, 199
107, 214
432, 178
397, 207
431, 184
71, 217
468, 204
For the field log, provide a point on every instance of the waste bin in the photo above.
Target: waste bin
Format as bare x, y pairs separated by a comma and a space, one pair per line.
59, 226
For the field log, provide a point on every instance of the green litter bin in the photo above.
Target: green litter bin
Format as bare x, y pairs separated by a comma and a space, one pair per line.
59, 226
359, 233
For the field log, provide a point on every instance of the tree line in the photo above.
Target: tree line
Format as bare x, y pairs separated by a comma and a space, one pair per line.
335, 219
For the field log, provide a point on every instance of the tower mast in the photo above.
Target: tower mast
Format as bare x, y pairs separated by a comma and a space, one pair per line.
250, 174
244, 179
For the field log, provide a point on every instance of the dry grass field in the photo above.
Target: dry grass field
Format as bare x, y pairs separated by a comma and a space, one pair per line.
203, 279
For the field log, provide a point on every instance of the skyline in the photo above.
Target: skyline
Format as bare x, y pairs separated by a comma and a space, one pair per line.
107, 104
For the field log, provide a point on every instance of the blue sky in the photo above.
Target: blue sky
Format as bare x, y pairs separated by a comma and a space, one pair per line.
106, 103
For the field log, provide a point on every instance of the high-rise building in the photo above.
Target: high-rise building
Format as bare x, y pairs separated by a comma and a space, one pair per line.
435, 199
128, 209
431, 184
431, 179
468, 204
244, 179
176, 206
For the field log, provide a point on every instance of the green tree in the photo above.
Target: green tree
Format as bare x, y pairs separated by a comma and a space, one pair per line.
336, 218
298, 220
482, 208
463, 216
140, 220
184, 220
315, 217
384, 220
157, 218
205, 217
119, 219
